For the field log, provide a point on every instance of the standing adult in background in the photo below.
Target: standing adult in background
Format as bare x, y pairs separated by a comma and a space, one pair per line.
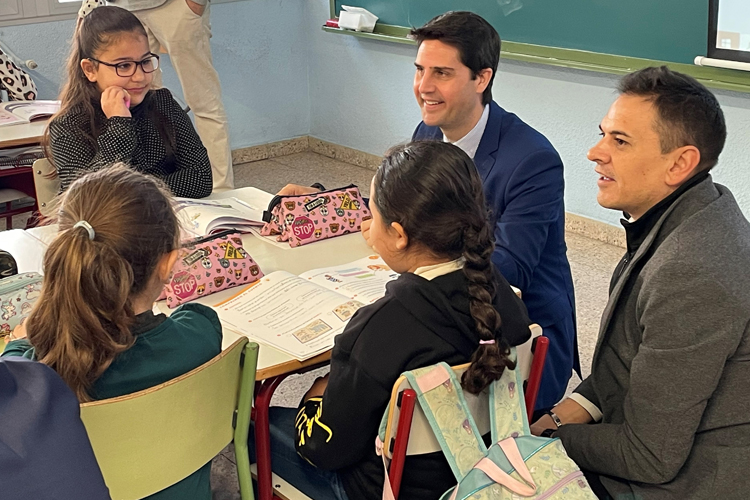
665, 413
183, 29
522, 175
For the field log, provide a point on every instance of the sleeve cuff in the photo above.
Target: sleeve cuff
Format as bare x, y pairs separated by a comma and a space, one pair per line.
590, 407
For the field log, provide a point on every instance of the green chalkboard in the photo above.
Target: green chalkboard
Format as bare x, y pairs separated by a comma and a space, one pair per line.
662, 30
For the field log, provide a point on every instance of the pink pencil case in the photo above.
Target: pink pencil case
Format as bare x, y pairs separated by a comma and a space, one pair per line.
309, 218
209, 265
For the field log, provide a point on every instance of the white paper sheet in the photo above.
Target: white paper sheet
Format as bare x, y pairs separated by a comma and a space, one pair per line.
289, 313
362, 280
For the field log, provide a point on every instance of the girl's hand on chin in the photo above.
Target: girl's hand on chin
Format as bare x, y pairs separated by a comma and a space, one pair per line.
116, 102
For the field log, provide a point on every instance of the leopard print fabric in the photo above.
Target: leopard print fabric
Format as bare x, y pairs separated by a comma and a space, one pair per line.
87, 6
15, 81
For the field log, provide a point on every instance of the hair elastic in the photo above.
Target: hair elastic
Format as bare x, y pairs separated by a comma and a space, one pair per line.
89, 229
485, 342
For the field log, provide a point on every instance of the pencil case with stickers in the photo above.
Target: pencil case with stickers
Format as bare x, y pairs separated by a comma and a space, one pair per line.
209, 265
313, 217
18, 294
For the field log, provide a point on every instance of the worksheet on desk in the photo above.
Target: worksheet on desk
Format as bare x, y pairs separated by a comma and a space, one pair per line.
289, 313
364, 279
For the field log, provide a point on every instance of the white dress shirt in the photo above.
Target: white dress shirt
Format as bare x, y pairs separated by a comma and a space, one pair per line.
470, 142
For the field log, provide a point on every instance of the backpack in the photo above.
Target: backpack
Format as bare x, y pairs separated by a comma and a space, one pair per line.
518, 464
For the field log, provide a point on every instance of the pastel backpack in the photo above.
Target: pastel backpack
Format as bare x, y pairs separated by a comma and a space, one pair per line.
518, 465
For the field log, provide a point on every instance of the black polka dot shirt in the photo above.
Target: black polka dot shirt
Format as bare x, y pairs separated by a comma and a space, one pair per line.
136, 142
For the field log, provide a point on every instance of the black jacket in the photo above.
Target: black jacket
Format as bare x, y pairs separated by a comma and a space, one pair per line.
418, 323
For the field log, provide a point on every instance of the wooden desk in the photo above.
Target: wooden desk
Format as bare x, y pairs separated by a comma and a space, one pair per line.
271, 361
23, 134
20, 178
273, 365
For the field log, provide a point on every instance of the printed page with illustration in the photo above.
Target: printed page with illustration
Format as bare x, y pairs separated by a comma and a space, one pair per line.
301, 315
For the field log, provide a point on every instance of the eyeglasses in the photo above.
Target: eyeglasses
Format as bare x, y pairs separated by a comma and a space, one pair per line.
128, 68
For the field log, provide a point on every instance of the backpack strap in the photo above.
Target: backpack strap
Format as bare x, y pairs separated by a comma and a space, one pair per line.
442, 400
526, 487
507, 405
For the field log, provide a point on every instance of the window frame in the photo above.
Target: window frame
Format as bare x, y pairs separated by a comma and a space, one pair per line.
715, 52
37, 11
42, 11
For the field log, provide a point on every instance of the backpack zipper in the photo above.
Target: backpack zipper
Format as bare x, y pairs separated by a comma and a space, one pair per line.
564, 481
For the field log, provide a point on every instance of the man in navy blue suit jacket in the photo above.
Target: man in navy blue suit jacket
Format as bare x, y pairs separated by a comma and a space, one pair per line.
522, 174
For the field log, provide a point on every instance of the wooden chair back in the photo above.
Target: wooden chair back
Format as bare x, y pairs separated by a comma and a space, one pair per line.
47, 185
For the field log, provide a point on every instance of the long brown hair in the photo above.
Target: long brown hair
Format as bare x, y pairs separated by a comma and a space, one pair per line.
437, 182
83, 316
93, 33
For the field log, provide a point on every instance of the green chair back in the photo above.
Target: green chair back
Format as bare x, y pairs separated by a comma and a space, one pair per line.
149, 440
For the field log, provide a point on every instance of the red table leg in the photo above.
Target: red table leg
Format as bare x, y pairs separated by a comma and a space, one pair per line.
263, 436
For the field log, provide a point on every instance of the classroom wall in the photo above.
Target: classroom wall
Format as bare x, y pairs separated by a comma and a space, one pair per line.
284, 77
362, 98
263, 69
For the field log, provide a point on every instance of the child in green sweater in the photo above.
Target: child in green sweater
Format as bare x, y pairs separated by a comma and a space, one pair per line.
93, 322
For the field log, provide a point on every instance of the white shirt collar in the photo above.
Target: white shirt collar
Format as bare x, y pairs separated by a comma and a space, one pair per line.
470, 142
436, 270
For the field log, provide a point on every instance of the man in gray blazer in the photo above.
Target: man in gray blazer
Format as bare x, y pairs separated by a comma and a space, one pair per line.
665, 413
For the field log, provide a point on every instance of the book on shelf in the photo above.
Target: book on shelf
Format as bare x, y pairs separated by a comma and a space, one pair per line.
301, 315
23, 156
204, 217
15, 112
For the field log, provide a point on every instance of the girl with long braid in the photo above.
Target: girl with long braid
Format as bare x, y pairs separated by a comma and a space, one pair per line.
430, 224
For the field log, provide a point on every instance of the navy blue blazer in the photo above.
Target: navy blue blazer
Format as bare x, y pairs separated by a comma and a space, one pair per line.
44, 449
523, 183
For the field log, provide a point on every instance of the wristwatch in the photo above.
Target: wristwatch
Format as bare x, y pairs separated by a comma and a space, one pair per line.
547, 433
555, 419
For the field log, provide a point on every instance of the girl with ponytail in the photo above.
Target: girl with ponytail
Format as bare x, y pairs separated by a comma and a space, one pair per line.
430, 224
93, 322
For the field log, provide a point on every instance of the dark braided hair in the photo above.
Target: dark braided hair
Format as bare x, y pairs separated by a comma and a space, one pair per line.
437, 182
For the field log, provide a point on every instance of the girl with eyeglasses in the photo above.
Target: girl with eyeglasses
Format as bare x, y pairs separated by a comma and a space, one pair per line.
110, 113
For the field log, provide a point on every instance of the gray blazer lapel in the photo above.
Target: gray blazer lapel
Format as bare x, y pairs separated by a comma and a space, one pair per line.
614, 297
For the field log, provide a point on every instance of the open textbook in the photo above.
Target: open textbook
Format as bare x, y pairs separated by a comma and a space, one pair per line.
203, 217
14, 112
301, 315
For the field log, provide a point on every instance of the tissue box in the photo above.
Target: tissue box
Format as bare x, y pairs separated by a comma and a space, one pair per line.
357, 19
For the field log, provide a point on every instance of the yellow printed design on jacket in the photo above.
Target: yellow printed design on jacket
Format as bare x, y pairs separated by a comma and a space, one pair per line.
306, 423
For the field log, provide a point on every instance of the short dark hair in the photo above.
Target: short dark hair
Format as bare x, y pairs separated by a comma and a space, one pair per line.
689, 114
476, 40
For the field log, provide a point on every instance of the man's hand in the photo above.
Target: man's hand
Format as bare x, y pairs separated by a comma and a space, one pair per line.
542, 425
116, 102
297, 190
318, 388
568, 411
197, 8
366, 231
